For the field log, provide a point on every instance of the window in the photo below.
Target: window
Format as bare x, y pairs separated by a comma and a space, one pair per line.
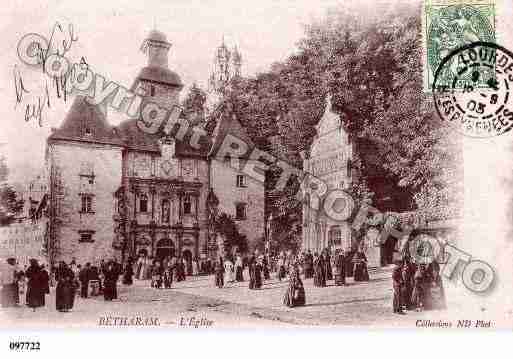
87, 203
86, 236
240, 211
241, 181
187, 204
143, 203
152, 90
165, 211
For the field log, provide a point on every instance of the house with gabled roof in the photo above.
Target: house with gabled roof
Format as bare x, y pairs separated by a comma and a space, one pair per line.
117, 191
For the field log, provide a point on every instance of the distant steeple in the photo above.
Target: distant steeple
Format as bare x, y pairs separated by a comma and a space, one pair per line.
227, 65
237, 61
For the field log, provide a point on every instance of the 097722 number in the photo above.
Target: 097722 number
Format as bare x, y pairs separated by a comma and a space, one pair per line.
22, 346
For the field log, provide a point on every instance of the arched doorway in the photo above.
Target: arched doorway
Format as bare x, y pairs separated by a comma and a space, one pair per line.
187, 255
165, 248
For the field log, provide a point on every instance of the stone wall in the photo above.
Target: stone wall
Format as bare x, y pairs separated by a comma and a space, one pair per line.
71, 161
23, 241
223, 179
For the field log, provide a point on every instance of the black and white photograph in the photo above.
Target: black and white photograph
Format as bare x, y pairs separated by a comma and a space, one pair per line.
281, 165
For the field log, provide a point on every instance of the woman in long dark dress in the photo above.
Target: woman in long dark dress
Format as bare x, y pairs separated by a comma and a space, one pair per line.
327, 264
295, 294
110, 290
319, 275
36, 285
420, 295
281, 266
265, 268
128, 273
251, 270
46, 279
360, 267
219, 273
257, 274
308, 265
398, 287
437, 291
239, 277
65, 291
408, 273
340, 269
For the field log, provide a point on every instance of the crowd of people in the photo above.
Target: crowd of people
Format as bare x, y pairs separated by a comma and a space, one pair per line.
30, 285
415, 286
321, 267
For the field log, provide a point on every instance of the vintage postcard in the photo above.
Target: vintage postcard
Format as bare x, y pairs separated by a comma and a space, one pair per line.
287, 164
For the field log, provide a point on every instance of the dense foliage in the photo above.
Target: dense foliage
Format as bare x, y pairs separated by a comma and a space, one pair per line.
10, 204
226, 226
406, 159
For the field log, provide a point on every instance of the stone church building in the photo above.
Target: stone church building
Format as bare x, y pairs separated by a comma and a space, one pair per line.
329, 160
116, 191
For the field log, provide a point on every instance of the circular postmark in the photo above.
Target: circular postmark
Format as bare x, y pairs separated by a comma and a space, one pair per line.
477, 100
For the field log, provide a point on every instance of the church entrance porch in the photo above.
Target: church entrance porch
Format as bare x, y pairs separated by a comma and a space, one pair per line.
164, 248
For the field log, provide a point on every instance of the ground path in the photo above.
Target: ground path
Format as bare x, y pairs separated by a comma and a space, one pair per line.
356, 304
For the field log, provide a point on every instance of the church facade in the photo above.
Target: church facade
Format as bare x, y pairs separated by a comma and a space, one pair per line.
329, 160
115, 191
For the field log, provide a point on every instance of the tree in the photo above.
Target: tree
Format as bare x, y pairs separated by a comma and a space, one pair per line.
405, 157
10, 204
225, 225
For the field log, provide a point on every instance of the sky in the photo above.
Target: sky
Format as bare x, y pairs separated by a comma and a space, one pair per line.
109, 37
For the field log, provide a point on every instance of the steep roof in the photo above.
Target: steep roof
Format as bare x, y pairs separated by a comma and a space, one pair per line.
135, 139
87, 123
229, 125
158, 74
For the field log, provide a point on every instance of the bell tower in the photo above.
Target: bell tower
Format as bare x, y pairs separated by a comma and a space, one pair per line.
157, 47
156, 81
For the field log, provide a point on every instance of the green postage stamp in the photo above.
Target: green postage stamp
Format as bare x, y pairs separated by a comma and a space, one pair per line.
448, 25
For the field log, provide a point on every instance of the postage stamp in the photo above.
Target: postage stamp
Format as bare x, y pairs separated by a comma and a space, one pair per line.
450, 24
